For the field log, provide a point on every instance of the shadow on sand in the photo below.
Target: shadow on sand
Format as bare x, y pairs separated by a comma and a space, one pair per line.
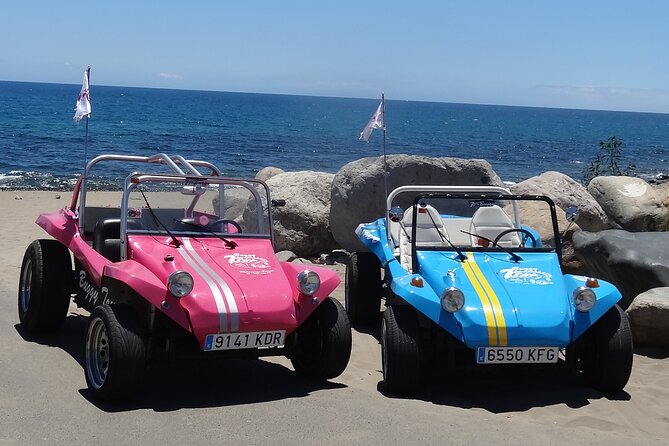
169, 386
501, 389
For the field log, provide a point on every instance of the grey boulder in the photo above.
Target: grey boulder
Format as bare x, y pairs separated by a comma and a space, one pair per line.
566, 192
266, 173
649, 318
630, 202
358, 194
302, 225
634, 262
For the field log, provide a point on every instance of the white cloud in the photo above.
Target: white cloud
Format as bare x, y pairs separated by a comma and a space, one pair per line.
172, 76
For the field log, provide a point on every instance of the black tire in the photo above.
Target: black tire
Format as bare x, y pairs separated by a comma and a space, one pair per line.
400, 350
45, 286
363, 288
606, 352
323, 343
115, 352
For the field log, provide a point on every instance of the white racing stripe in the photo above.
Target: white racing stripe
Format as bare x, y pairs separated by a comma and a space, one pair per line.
215, 291
227, 292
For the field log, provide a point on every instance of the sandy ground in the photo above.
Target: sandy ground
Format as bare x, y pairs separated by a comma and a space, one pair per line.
43, 398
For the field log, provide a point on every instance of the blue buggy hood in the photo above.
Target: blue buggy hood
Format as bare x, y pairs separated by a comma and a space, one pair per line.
507, 303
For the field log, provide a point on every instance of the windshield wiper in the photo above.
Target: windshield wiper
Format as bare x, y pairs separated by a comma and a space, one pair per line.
177, 243
461, 255
228, 243
515, 257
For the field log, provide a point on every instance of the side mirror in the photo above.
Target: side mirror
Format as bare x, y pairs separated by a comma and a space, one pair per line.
571, 214
278, 203
396, 214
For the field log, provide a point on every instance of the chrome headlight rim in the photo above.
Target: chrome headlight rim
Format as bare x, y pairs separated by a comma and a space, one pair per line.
452, 299
309, 282
180, 283
584, 299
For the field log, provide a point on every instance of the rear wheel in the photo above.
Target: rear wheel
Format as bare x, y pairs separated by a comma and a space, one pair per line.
606, 352
400, 352
115, 352
45, 285
323, 344
363, 289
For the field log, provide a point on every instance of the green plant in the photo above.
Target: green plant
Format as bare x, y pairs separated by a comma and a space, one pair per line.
606, 161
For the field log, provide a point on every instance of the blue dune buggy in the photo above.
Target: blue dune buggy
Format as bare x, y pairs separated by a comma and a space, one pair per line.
465, 281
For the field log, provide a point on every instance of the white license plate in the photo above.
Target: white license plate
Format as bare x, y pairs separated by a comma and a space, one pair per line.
236, 341
516, 355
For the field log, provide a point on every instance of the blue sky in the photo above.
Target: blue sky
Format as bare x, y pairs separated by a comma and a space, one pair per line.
610, 55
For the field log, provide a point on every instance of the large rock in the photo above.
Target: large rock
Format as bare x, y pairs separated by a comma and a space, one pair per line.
649, 317
302, 225
630, 202
266, 173
358, 191
566, 192
634, 262
536, 214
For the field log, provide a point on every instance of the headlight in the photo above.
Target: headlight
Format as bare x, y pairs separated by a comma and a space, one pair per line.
584, 299
452, 299
309, 282
180, 283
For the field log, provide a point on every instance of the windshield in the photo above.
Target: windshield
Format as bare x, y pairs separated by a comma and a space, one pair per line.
203, 206
468, 222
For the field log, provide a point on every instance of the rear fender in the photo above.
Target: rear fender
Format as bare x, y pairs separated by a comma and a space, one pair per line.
146, 284
305, 305
607, 296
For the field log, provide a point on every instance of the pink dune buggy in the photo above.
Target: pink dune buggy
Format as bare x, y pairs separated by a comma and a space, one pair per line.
184, 266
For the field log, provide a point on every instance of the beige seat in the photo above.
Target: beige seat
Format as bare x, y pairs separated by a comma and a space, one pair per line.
430, 231
491, 221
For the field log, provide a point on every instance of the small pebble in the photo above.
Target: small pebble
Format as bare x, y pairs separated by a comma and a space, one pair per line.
18, 198
58, 197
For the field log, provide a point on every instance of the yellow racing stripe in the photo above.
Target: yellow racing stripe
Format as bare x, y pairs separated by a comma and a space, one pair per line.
497, 307
487, 308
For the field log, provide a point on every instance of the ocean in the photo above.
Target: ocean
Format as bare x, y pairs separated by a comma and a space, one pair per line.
42, 148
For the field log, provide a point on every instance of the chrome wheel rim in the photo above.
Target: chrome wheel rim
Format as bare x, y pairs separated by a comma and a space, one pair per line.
97, 353
26, 281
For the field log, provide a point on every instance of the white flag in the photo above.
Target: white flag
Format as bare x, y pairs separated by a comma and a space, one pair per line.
376, 122
83, 108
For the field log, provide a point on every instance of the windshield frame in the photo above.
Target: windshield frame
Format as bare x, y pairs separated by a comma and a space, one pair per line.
512, 198
134, 180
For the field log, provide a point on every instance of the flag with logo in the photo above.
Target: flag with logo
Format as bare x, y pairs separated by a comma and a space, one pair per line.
83, 108
376, 122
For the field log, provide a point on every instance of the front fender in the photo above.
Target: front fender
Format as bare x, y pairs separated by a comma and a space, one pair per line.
305, 305
147, 285
607, 296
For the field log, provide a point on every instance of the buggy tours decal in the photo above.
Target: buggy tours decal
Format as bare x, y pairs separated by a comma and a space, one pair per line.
530, 276
249, 263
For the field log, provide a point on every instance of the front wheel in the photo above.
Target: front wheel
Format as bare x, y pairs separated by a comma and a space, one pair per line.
606, 352
400, 352
323, 343
44, 286
115, 352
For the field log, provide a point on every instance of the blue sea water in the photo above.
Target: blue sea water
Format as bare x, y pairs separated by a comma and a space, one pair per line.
41, 146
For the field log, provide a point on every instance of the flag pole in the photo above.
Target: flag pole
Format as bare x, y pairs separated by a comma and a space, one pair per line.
385, 165
88, 76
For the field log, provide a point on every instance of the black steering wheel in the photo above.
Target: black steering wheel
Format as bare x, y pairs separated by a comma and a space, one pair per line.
222, 222
525, 232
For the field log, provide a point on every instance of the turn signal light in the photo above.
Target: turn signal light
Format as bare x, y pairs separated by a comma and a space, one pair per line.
592, 283
417, 282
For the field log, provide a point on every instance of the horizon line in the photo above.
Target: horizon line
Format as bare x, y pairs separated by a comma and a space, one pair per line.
345, 97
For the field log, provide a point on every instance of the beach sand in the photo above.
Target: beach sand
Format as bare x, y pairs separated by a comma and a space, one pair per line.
42, 397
